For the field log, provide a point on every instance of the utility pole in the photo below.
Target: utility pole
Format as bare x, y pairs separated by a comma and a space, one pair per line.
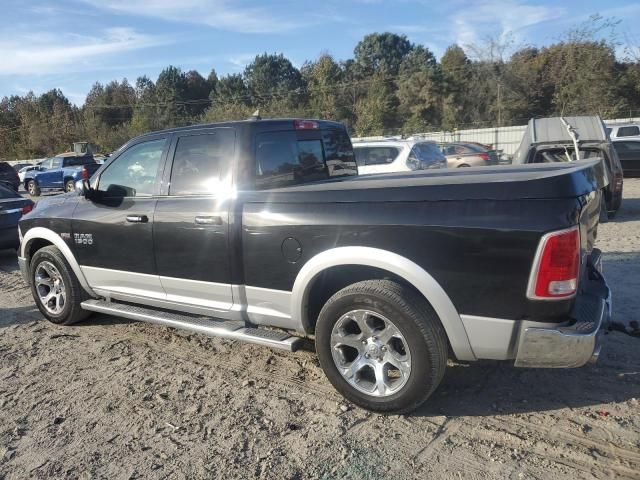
499, 104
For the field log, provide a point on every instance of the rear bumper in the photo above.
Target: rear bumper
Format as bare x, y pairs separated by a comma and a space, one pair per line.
571, 345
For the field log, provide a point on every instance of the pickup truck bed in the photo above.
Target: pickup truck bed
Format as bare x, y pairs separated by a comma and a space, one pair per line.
388, 273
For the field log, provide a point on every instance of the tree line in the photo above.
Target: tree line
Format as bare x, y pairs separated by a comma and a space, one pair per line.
390, 86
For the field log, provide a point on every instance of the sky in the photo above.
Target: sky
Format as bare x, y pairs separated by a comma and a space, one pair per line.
71, 44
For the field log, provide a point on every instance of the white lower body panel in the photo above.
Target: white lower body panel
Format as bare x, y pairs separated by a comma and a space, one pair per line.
261, 306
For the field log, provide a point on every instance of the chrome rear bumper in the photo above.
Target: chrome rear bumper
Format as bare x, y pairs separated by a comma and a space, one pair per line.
572, 345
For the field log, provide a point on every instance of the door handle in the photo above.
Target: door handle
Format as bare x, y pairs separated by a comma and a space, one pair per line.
137, 218
209, 220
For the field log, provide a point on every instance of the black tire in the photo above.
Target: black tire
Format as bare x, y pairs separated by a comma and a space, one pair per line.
463, 165
69, 185
33, 188
75, 294
418, 323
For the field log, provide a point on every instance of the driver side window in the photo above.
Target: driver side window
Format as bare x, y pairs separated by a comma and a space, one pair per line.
133, 174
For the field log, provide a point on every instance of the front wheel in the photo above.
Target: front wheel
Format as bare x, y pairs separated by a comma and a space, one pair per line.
33, 188
69, 186
55, 288
381, 345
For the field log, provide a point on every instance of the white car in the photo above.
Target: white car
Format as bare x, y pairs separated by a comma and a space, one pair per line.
624, 130
397, 155
23, 171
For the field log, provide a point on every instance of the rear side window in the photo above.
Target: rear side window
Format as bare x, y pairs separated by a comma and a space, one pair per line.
476, 148
427, 152
628, 131
283, 160
199, 160
75, 161
366, 156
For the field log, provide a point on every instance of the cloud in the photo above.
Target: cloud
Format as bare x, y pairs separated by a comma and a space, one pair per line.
499, 18
221, 14
43, 53
241, 60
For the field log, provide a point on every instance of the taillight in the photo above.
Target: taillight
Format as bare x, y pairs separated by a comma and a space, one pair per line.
85, 173
27, 208
484, 156
306, 125
556, 266
618, 182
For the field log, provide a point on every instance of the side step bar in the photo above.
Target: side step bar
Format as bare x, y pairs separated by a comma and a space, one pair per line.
205, 325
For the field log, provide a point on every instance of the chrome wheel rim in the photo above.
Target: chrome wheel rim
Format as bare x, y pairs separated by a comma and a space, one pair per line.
32, 188
50, 287
69, 187
370, 353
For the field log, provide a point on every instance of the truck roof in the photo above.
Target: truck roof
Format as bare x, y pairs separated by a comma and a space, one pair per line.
269, 124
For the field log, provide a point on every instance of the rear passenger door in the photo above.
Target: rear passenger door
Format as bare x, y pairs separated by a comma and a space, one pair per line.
191, 222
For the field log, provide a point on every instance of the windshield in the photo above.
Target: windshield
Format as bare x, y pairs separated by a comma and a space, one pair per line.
555, 155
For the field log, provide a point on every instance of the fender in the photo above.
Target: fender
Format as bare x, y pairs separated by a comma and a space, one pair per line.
394, 263
54, 238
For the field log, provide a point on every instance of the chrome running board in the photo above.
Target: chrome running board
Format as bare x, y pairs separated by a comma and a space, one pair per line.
208, 326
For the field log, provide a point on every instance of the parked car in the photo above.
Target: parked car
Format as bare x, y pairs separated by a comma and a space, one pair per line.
628, 150
18, 166
468, 154
240, 230
8, 176
397, 155
12, 208
23, 171
624, 130
59, 173
556, 139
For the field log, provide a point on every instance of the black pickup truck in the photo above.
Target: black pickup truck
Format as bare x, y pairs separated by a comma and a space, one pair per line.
262, 231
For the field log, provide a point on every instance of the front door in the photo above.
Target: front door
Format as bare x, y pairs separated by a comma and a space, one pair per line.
191, 222
113, 233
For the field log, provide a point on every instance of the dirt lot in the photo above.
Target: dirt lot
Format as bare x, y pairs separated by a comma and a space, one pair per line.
115, 399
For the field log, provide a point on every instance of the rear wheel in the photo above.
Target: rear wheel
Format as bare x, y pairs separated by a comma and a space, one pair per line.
33, 188
55, 288
69, 185
381, 345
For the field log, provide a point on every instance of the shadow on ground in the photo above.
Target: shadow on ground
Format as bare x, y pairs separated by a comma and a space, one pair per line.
629, 211
8, 260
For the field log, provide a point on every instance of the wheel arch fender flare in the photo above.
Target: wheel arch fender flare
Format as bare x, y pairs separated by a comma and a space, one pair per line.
49, 235
415, 275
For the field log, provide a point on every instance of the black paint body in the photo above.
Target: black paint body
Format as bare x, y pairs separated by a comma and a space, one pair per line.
475, 231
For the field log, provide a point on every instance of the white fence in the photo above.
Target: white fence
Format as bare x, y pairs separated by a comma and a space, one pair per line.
506, 139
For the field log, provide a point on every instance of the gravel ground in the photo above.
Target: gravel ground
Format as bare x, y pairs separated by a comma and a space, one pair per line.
116, 399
